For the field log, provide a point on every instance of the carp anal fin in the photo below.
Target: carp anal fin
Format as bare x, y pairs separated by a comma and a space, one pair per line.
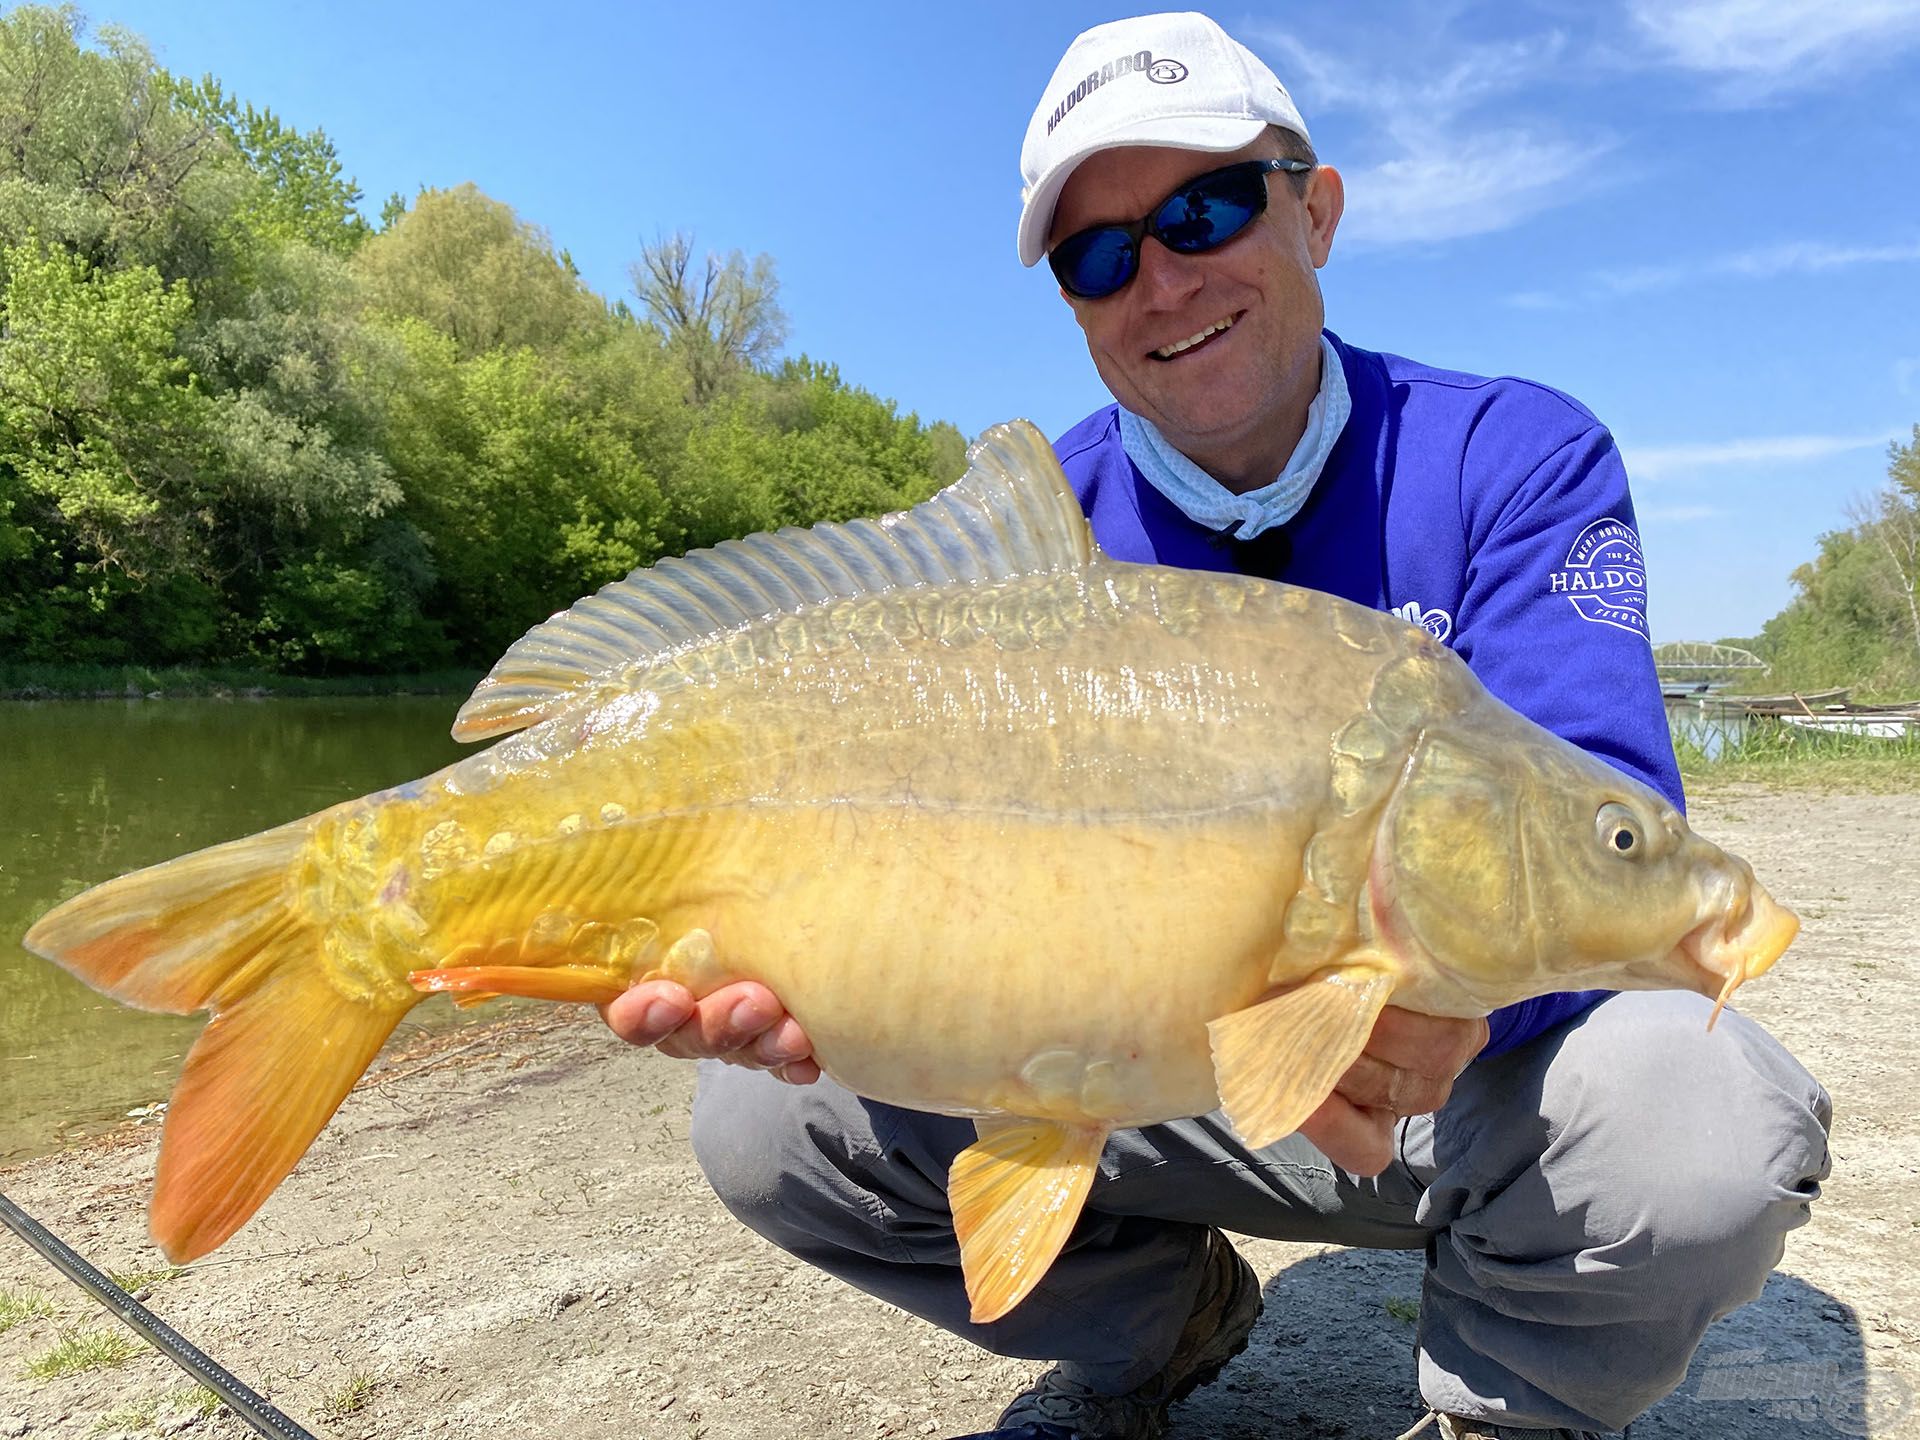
1013, 513
1015, 1195
1276, 1062
560, 957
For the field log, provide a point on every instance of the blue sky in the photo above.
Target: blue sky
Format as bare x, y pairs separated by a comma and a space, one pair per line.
1700, 217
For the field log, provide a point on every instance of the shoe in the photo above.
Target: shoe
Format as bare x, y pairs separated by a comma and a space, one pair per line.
1454, 1427
1217, 1330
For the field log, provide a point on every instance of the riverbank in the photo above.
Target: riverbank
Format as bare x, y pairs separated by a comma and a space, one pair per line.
505, 1235
180, 682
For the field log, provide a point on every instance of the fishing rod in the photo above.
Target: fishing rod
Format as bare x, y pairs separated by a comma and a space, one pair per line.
248, 1404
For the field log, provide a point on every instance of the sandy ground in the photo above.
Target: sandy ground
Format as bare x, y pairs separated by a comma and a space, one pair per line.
508, 1237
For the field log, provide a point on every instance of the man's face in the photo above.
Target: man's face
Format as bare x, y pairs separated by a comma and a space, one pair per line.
1220, 397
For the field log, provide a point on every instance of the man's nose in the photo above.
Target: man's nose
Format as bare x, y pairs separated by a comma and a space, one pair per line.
1166, 277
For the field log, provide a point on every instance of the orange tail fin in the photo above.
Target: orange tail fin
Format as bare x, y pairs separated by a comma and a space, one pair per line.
216, 931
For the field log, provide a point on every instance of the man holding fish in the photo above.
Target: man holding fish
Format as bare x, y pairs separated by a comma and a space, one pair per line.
1595, 1177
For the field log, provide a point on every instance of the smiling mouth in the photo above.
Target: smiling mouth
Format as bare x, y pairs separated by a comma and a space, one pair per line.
1195, 341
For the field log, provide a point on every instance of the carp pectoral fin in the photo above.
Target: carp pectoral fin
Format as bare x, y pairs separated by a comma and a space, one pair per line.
1015, 1195
581, 984
1276, 1062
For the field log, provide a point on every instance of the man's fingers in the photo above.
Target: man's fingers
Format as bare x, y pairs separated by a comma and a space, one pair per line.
1437, 1046
646, 1014
1357, 1138
728, 1020
1377, 1085
781, 1044
732, 1018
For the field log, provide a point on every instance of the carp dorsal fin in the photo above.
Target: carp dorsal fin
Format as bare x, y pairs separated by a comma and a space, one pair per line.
1013, 513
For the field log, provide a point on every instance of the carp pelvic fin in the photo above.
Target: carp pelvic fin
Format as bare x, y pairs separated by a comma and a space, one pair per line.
1013, 513
1276, 1062
1015, 1196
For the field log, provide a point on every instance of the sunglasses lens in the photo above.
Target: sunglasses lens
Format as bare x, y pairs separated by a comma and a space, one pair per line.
1211, 211
1094, 263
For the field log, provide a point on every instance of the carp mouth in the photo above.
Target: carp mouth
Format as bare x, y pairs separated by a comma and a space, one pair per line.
1726, 950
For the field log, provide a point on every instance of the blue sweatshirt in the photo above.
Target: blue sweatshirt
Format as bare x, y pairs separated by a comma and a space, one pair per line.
1493, 511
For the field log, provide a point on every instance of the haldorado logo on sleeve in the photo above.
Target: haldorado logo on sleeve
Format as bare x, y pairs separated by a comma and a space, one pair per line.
1605, 577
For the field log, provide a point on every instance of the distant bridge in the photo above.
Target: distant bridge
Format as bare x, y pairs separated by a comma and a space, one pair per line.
1697, 662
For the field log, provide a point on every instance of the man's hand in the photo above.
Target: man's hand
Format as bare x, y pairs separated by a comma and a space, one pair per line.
742, 1024
1408, 1068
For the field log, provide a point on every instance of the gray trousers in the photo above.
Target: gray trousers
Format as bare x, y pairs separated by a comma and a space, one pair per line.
1589, 1203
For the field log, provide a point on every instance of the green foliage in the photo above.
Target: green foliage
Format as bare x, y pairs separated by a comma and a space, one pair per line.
1855, 619
469, 267
96, 158
1775, 754
302, 195
17, 1306
240, 427
82, 1349
721, 318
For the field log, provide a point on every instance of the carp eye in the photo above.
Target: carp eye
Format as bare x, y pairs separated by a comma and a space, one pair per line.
1619, 831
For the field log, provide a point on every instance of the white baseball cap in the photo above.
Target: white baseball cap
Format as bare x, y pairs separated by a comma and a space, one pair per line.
1177, 80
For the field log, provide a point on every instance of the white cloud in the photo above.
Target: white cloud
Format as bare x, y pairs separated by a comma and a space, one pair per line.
1663, 462
1762, 46
1445, 172
1443, 188
1795, 257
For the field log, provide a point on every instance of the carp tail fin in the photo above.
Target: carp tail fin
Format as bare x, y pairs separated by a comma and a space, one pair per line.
217, 930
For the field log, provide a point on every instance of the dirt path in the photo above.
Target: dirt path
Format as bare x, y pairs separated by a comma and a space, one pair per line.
512, 1240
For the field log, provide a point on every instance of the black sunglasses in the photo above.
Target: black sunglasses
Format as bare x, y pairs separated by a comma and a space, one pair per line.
1205, 212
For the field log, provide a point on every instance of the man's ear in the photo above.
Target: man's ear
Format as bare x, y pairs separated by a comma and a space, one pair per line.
1326, 201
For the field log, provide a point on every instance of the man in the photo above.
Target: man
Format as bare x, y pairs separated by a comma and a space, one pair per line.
1594, 1178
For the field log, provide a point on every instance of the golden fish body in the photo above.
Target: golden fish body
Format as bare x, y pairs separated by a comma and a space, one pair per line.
1057, 843
967, 836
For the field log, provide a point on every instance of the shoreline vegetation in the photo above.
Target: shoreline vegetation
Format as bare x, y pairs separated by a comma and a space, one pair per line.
248, 422
1766, 753
1771, 753
215, 682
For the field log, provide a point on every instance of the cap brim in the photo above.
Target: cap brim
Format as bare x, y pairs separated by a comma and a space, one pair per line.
1213, 133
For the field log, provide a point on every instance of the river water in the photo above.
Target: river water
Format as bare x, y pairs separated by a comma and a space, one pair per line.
90, 789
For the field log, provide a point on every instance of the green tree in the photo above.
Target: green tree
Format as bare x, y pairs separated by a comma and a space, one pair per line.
534, 474
302, 194
721, 317
96, 158
804, 446
469, 267
100, 431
